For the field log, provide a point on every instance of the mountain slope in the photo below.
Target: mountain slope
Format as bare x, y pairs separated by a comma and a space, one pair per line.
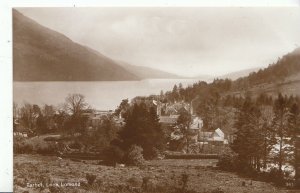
148, 73
41, 54
238, 74
282, 76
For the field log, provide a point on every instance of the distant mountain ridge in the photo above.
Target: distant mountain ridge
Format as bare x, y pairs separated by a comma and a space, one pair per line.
41, 54
148, 73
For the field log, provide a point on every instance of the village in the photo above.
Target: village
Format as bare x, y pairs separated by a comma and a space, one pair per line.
155, 100
200, 141
205, 146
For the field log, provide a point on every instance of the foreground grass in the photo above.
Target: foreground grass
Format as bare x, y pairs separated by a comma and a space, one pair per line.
161, 176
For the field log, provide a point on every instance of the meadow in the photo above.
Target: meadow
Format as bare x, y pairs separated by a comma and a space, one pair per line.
156, 176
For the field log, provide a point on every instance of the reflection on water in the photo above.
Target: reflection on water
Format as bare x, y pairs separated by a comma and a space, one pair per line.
102, 95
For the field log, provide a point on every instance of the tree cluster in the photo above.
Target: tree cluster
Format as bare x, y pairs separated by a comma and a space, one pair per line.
266, 134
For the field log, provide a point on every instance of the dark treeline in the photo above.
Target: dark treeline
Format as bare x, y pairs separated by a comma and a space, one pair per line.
69, 118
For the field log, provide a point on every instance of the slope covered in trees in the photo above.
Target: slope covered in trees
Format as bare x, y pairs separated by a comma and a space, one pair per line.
282, 76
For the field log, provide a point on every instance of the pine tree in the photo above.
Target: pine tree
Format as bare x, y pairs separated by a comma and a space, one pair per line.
142, 128
280, 126
294, 130
183, 122
251, 142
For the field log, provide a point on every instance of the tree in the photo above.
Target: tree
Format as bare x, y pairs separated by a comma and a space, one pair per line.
60, 118
41, 124
16, 113
181, 91
209, 111
48, 113
27, 117
175, 93
122, 108
161, 95
280, 125
75, 105
143, 129
294, 130
183, 123
252, 142
15, 110
105, 133
267, 133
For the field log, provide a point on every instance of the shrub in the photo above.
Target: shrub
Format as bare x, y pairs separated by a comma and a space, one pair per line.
113, 155
134, 156
46, 149
184, 182
276, 176
228, 161
90, 178
22, 147
146, 180
75, 145
134, 181
154, 153
51, 138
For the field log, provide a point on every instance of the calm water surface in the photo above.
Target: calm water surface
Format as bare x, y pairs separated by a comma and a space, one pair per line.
102, 95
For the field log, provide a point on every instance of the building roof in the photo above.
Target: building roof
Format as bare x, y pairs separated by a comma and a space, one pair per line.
219, 132
206, 134
168, 119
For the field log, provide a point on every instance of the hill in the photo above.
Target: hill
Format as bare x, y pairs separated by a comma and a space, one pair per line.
239, 74
148, 73
41, 54
282, 76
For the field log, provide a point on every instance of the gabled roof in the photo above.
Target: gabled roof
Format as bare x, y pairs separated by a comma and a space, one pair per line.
219, 132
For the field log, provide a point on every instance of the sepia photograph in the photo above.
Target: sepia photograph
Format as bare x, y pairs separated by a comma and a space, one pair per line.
156, 99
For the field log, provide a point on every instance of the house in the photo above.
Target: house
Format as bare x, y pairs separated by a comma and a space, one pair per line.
204, 136
166, 109
215, 137
218, 135
197, 123
119, 121
168, 120
96, 118
195, 128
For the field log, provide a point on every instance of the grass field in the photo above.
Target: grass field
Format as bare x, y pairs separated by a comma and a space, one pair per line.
202, 176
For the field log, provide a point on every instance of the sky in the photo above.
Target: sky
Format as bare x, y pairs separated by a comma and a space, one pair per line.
181, 40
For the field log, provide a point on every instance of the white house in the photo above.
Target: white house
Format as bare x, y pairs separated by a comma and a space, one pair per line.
216, 136
197, 123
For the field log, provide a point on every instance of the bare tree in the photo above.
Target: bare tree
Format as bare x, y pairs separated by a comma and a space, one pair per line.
15, 110
75, 104
27, 116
